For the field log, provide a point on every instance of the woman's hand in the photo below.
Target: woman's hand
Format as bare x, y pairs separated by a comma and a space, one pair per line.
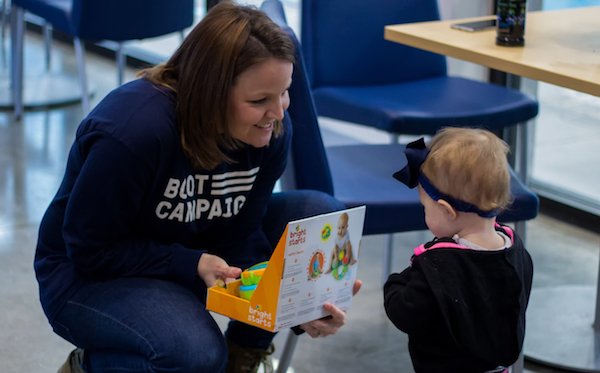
330, 324
211, 268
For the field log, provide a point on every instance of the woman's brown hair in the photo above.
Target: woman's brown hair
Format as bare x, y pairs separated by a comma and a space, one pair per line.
229, 40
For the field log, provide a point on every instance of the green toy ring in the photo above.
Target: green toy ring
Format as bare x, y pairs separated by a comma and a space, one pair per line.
343, 260
338, 275
250, 279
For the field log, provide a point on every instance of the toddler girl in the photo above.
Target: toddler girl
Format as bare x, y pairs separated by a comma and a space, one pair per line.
462, 300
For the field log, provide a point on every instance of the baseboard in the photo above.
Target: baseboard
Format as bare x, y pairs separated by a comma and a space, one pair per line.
570, 214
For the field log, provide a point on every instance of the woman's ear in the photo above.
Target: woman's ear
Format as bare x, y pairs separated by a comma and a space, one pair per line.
449, 212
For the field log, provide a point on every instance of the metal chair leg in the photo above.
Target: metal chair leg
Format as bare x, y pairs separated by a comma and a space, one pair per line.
517, 367
5, 13
17, 35
288, 352
121, 63
521, 230
388, 257
80, 53
47, 30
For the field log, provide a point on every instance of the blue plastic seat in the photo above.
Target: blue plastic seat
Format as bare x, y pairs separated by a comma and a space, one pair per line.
361, 174
97, 20
358, 76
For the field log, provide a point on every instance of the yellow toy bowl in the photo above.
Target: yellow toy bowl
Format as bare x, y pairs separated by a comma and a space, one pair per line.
250, 279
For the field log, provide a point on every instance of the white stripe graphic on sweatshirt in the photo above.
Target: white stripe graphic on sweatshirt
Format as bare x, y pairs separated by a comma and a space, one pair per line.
230, 182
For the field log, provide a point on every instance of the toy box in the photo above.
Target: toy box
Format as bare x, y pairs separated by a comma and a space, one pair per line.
311, 265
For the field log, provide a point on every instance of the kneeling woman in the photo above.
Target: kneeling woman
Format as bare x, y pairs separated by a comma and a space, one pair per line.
168, 188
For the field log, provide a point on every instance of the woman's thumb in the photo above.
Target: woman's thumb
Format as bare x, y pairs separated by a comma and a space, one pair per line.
233, 272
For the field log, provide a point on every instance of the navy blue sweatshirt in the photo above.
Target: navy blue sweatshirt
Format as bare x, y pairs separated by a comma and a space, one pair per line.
131, 204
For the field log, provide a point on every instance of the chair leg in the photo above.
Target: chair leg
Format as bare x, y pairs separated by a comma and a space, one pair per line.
80, 53
522, 149
288, 352
517, 367
521, 163
517, 138
121, 63
5, 13
47, 29
521, 230
17, 34
388, 257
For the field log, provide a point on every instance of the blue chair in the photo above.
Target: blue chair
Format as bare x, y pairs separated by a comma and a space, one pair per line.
360, 174
357, 76
97, 20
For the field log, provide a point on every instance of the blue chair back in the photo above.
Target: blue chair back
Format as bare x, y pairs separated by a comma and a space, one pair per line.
343, 45
131, 19
302, 108
117, 20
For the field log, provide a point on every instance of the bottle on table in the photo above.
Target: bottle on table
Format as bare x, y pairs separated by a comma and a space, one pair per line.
510, 25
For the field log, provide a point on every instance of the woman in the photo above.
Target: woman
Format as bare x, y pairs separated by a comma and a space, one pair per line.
167, 189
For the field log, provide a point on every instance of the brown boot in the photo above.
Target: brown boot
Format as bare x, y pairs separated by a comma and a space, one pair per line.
73, 363
247, 360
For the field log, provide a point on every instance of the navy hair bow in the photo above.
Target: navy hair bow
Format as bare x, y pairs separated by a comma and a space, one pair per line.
411, 175
416, 152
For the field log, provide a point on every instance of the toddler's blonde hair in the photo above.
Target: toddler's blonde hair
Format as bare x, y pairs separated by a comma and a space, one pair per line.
470, 164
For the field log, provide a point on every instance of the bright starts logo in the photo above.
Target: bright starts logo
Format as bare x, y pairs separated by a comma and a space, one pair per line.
260, 317
326, 232
297, 237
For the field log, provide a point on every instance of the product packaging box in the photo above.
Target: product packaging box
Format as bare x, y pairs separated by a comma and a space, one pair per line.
314, 263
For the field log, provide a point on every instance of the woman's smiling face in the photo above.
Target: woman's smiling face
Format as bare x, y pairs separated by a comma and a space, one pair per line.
258, 99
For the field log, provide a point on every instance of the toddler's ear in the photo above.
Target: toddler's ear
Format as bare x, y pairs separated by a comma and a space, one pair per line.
447, 209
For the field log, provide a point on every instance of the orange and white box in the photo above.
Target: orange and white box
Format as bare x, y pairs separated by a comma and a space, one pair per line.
303, 274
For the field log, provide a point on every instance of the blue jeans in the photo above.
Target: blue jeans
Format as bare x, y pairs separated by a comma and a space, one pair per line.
153, 325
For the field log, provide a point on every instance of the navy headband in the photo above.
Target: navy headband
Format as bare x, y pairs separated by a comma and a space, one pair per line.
411, 176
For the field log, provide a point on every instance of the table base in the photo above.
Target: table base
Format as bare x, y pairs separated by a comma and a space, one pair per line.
560, 330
